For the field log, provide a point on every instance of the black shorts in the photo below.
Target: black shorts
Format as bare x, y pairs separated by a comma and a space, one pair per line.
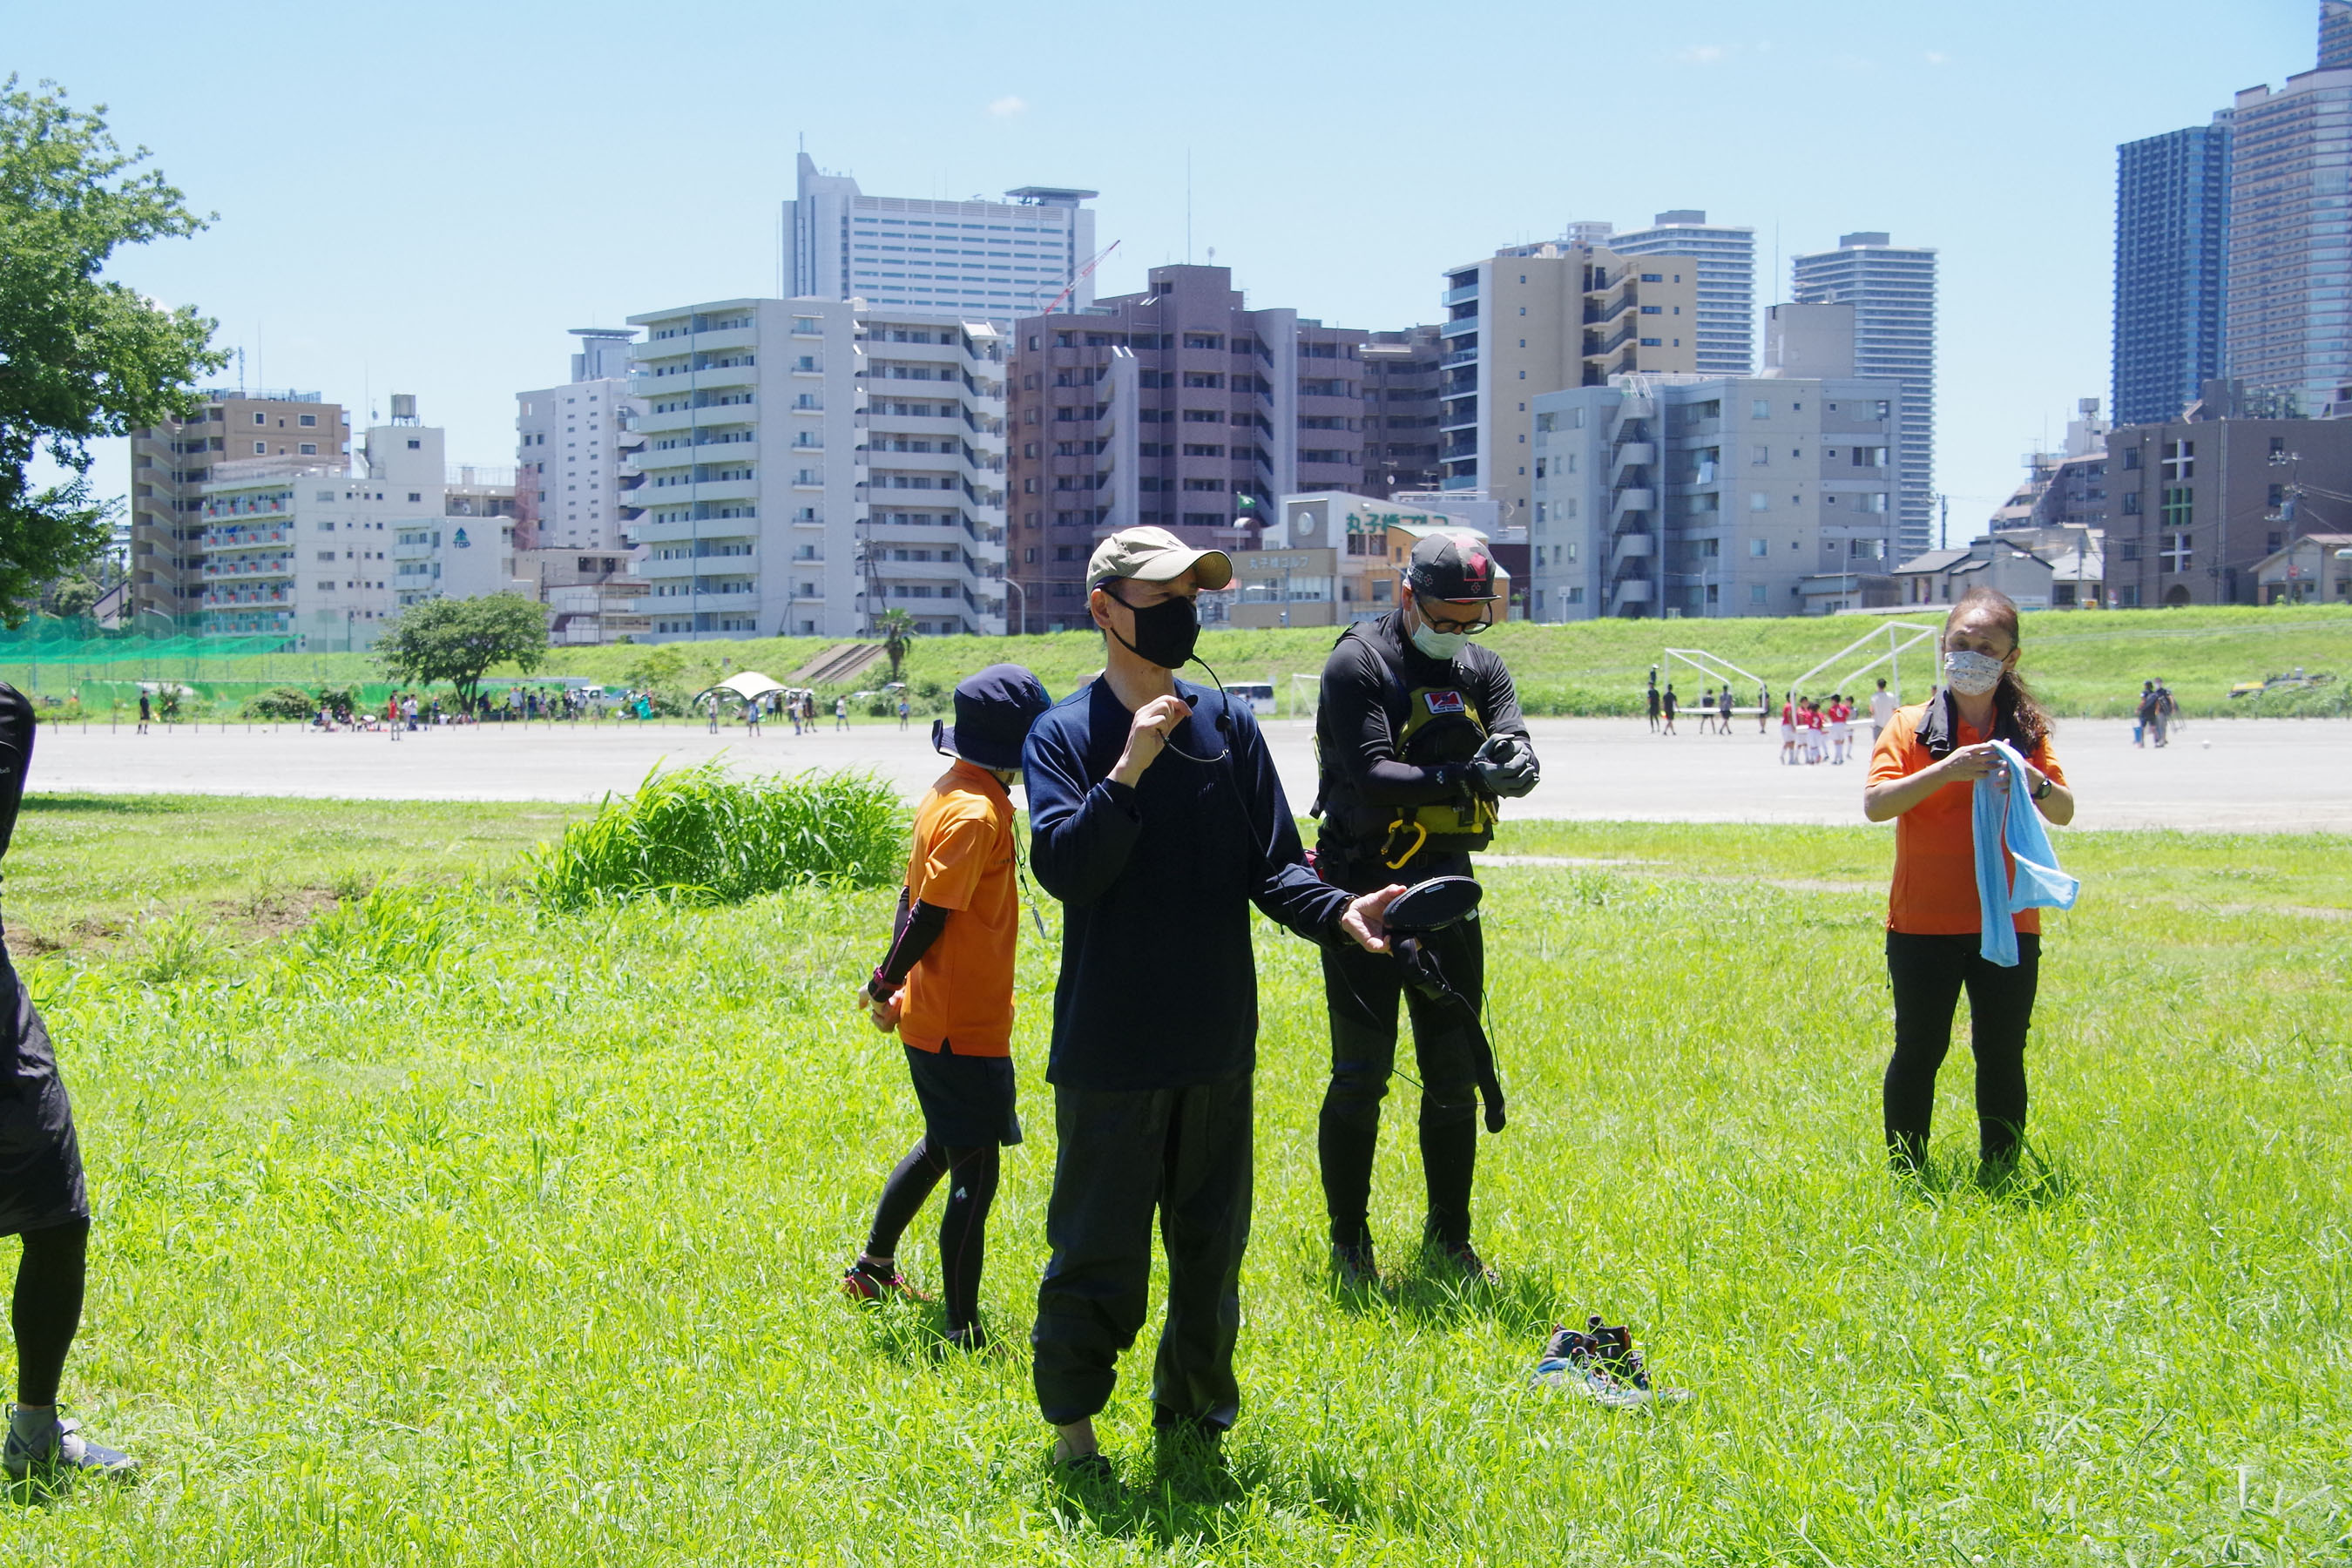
40, 1159
967, 1101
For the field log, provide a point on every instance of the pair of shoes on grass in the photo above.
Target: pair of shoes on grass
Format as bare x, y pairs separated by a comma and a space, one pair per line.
58, 1453
1356, 1268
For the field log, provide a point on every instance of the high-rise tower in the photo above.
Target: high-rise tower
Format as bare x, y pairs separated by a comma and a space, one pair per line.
989, 260
2172, 211
1892, 291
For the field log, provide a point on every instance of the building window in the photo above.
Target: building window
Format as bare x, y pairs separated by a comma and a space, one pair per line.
2175, 556
2179, 462
1760, 409
2178, 504
1755, 593
1759, 501
1757, 547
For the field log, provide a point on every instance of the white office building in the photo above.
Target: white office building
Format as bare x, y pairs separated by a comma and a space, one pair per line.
330, 551
1726, 255
1713, 496
570, 442
807, 464
986, 260
1892, 291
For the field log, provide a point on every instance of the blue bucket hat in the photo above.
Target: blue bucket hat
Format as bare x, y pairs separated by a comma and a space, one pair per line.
994, 711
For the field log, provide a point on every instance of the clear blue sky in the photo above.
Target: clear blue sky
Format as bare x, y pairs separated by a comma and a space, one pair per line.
424, 197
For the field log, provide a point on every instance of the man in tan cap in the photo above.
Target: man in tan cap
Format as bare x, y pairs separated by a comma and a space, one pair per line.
1157, 819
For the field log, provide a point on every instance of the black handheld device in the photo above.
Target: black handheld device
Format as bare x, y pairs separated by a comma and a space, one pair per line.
1420, 911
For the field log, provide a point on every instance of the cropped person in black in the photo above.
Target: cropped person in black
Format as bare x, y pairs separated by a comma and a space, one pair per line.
1418, 735
42, 1198
1157, 819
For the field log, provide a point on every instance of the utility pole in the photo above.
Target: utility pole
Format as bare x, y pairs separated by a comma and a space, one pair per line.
1944, 527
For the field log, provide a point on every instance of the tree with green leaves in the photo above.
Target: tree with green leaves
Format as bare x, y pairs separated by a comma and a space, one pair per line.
80, 356
898, 630
459, 641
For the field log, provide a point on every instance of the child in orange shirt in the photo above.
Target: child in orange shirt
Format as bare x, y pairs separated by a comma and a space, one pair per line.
947, 988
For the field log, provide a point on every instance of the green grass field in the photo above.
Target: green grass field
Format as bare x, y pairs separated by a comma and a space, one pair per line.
435, 1227
2087, 663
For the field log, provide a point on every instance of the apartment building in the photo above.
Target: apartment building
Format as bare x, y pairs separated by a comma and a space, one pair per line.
1534, 318
1892, 291
988, 261
1402, 375
571, 444
809, 463
331, 549
1166, 407
1726, 257
2195, 504
1713, 496
170, 464
2173, 219
2287, 323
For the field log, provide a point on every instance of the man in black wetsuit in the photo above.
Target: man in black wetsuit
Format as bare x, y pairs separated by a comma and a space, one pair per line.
1418, 735
42, 1198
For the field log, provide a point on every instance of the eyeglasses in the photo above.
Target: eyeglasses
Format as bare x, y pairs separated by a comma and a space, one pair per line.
1452, 627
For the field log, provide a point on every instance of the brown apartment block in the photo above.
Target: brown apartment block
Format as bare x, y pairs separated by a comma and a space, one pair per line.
2195, 505
1167, 407
170, 464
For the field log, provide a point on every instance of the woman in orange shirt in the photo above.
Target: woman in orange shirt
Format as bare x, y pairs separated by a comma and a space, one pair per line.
1922, 773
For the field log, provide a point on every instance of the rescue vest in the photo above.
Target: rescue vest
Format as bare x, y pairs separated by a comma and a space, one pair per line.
1440, 724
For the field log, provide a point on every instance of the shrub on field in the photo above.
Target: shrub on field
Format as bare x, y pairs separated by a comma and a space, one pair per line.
392, 930
281, 702
702, 835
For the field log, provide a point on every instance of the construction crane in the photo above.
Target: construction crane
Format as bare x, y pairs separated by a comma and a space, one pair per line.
1080, 276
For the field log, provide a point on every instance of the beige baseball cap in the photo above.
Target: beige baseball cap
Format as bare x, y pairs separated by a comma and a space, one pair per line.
1155, 555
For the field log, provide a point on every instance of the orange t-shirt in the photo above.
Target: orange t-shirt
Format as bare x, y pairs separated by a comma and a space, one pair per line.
1934, 891
961, 990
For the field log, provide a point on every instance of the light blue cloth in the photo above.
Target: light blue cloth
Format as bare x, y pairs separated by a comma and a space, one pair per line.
1996, 814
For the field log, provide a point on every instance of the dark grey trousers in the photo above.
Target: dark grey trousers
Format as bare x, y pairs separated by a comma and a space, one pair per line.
1123, 1154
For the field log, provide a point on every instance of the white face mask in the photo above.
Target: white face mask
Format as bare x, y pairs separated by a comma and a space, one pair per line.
1971, 674
1439, 644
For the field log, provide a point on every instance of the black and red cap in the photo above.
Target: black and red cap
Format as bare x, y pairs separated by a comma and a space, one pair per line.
1452, 566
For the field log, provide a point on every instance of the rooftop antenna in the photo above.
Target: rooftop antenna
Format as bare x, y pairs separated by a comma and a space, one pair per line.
1187, 207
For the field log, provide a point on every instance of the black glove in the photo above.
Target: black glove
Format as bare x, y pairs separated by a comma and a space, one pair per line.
1506, 766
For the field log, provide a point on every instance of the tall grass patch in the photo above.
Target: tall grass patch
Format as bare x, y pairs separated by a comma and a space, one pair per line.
702, 835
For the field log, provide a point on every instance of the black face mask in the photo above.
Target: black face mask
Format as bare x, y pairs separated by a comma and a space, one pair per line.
1165, 633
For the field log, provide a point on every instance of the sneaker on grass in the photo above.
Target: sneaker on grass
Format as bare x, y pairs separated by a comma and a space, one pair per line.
1462, 1264
1355, 1266
60, 1452
864, 1281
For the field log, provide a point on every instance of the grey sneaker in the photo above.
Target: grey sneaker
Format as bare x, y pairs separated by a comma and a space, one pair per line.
64, 1451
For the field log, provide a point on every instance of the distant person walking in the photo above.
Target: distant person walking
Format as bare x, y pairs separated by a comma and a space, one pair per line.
841, 714
1923, 775
2144, 720
146, 712
903, 710
2165, 711
1654, 709
1788, 730
1763, 707
711, 712
1670, 707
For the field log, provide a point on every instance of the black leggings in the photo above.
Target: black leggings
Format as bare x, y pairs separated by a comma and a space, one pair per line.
48, 1307
963, 1225
1929, 973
